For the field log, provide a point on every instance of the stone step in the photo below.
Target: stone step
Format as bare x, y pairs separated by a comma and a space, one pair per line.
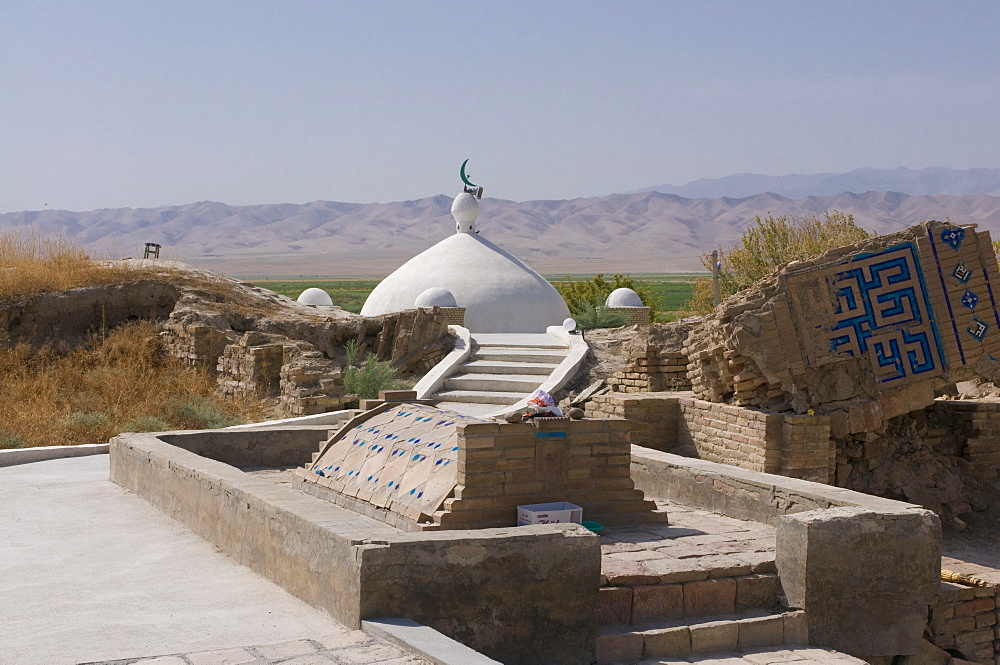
519, 355
643, 603
752, 628
522, 340
514, 383
478, 396
504, 367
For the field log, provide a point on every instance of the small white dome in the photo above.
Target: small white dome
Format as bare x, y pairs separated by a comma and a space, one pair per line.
435, 295
465, 210
624, 298
317, 297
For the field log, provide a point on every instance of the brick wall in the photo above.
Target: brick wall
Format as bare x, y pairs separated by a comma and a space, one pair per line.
635, 315
586, 462
798, 446
964, 619
969, 429
652, 368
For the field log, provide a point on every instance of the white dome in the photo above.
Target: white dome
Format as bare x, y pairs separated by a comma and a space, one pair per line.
314, 296
623, 298
499, 292
435, 296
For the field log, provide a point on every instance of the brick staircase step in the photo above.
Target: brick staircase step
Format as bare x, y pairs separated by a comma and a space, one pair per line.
683, 637
642, 603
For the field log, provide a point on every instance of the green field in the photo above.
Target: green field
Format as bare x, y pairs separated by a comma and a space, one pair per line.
671, 291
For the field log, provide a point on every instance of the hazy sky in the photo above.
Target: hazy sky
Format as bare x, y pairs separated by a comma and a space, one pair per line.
141, 103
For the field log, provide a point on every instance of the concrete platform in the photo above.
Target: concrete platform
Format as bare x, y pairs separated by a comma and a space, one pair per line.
90, 572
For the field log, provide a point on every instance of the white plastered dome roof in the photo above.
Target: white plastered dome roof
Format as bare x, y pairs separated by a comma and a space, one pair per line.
623, 298
500, 293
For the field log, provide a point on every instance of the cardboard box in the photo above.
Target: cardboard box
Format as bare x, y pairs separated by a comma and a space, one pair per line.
549, 513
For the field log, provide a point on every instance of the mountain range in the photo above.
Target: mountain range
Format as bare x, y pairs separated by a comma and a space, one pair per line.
632, 233
929, 181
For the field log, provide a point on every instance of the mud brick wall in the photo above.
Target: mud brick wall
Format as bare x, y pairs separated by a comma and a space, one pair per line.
653, 417
634, 315
964, 620
250, 367
652, 368
195, 344
454, 316
798, 446
585, 462
968, 429
310, 383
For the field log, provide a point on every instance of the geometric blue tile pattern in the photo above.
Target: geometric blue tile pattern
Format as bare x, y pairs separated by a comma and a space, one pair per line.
882, 311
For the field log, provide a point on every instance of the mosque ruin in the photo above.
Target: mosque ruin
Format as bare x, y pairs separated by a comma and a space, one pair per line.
774, 473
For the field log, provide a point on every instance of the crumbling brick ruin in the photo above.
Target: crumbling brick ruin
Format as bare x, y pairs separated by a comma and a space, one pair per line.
832, 370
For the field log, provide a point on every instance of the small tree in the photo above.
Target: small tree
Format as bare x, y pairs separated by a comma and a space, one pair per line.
774, 241
582, 297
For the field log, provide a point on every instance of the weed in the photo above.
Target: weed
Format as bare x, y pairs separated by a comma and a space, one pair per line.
146, 424
588, 317
351, 352
198, 412
8, 441
370, 378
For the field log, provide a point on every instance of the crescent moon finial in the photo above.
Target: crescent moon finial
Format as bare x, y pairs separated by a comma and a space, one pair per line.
465, 178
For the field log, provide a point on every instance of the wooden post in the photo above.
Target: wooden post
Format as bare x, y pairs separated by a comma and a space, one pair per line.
715, 275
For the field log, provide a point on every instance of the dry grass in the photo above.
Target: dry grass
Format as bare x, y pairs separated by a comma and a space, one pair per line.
30, 264
118, 383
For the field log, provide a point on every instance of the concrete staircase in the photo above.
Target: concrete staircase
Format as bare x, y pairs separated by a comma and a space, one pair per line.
719, 613
502, 370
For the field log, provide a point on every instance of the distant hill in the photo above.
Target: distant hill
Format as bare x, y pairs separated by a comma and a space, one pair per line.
929, 181
643, 232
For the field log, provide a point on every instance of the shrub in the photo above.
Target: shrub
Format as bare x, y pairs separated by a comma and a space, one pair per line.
146, 424
197, 412
352, 349
594, 292
8, 441
370, 378
588, 317
771, 242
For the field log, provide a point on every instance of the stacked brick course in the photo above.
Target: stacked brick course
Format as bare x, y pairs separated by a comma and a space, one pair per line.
634, 315
965, 620
793, 445
654, 360
968, 429
196, 344
502, 466
251, 367
310, 383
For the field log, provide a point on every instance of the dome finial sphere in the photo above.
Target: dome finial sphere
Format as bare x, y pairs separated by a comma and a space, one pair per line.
465, 210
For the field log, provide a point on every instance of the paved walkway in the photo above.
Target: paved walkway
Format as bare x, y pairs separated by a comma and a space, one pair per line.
90, 572
694, 543
348, 648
